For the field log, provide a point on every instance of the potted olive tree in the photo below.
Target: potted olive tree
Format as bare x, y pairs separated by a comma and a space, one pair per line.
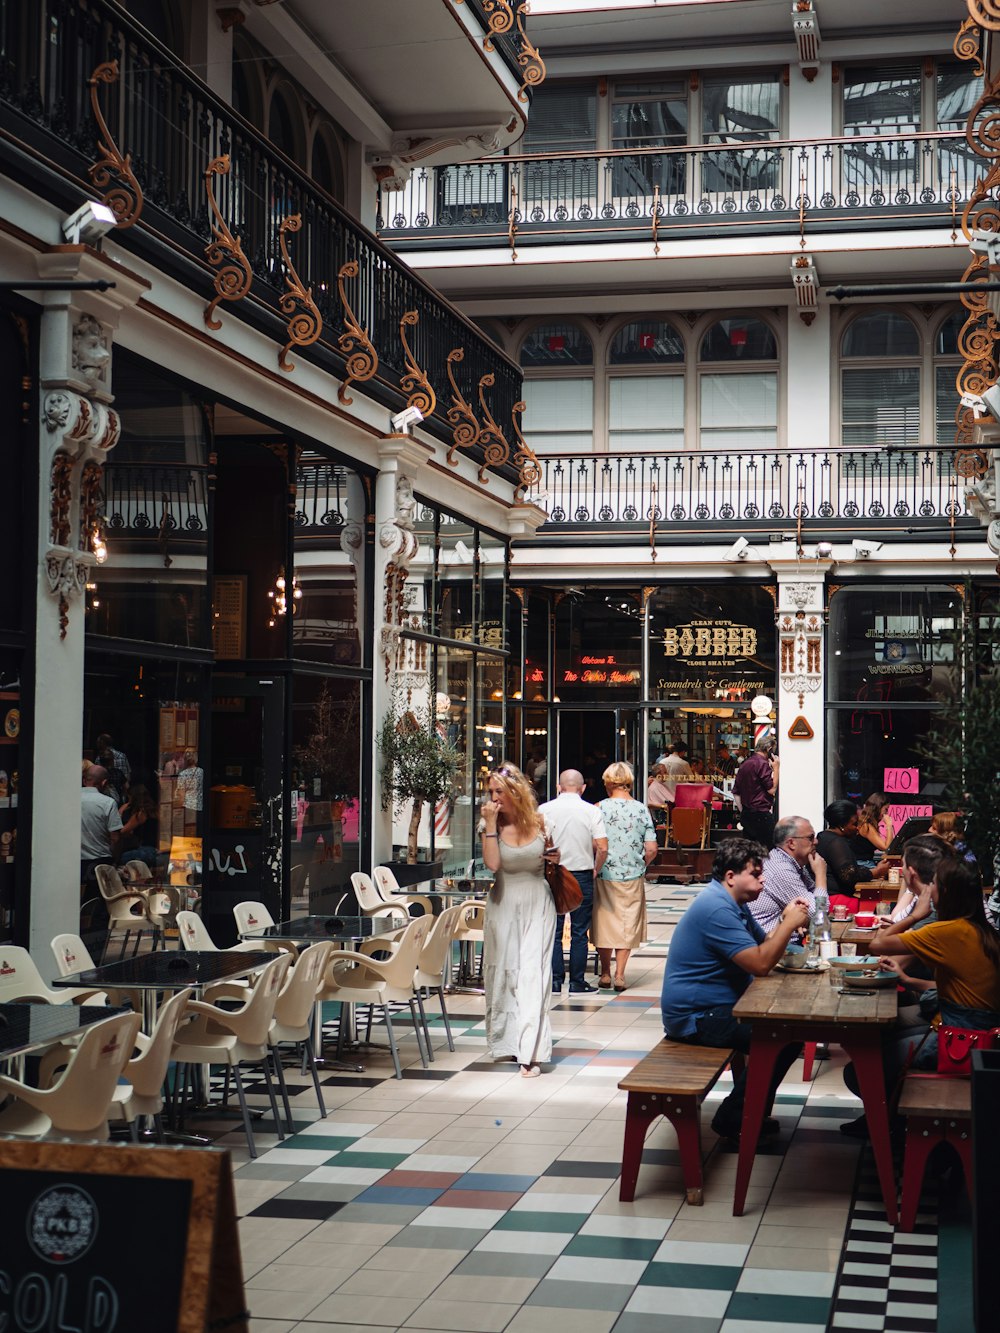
419, 767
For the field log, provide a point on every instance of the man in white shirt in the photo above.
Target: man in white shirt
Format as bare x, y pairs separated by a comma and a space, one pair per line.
100, 823
577, 829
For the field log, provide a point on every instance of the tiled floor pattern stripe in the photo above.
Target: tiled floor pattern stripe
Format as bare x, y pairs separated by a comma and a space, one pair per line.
464, 1197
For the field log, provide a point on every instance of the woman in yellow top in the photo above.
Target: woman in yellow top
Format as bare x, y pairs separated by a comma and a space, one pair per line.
960, 947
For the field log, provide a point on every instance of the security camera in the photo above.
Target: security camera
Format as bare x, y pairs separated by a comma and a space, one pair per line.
991, 397
402, 421
863, 549
824, 550
88, 224
739, 550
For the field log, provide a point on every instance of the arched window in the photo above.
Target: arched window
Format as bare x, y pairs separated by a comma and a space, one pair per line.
880, 380
646, 387
328, 164
738, 407
283, 125
947, 363
559, 388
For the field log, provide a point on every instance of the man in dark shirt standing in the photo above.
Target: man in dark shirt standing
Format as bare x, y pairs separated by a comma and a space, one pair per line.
755, 785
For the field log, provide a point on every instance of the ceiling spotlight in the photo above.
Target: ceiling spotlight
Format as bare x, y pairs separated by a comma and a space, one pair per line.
863, 549
88, 224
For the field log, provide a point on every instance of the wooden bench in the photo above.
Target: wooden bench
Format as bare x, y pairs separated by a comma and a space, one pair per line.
937, 1110
672, 1080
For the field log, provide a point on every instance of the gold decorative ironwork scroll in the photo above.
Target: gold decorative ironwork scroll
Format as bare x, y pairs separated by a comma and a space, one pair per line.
986, 13
968, 45
528, 467
528, 58
90, 503
496, 450
305, 325
354, 343
461, 418
415, 382
500, 19
125, 200
224, 251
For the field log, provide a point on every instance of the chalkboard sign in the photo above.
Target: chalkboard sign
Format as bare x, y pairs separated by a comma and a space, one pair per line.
113, 1239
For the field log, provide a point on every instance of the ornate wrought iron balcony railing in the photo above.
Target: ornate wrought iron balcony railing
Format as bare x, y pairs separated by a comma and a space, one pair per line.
93, 105
754, 490
845, 182
158, 500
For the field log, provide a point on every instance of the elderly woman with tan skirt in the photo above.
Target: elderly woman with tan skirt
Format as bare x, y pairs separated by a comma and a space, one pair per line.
619, 922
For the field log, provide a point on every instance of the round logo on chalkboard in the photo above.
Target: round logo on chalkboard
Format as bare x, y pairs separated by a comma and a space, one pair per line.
62, 1224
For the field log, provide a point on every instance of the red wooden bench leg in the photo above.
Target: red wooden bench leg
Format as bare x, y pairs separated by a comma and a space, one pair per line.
808, 1060
640, 1112
923, 1134
684, 1114
960, 1137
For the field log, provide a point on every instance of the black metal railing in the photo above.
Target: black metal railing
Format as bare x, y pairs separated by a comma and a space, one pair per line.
833, 181
322, 502
150, 500
172, 126
756, 487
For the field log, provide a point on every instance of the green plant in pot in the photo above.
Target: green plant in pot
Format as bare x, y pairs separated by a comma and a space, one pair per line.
419, 765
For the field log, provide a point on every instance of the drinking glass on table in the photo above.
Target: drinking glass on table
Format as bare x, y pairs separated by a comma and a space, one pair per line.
848, 949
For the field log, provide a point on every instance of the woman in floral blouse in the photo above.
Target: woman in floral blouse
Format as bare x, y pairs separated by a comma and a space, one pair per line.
619, 921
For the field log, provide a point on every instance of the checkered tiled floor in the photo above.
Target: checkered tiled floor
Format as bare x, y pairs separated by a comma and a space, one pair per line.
464, 1197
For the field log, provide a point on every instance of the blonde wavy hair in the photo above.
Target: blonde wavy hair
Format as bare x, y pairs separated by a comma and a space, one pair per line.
522, 798
618, 775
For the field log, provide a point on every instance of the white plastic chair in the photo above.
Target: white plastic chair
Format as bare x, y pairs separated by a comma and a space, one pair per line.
253, 916
294, 1013
237, 1037
72, 955
126, 908
20, 979
372, 903
135, 872
389, 890
469, 933
146, 1072
78, 1104
194, 936
431, 963
355, 978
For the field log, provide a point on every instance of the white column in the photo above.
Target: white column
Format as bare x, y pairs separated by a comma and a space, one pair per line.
76, 431
801, 652
400, 460
809, 376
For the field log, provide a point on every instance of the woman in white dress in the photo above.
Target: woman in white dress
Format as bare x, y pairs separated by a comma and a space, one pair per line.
520, 923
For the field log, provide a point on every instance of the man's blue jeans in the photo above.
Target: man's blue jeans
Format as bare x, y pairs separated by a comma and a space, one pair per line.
579, 925
718, 1027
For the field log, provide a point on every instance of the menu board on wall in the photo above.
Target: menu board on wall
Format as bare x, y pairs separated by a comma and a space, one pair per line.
229, 615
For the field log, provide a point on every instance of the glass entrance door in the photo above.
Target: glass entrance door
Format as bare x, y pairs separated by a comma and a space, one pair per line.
246, 801
589, 739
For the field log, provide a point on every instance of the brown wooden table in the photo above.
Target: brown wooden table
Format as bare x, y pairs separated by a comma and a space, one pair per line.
788, 1007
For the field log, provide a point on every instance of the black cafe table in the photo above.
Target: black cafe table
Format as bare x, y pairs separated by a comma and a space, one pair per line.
305, 930
31, 1025
302, 931
151, 973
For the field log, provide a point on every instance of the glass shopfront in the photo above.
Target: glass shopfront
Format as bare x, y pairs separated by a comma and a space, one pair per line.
451, 667
711, 651
890, 659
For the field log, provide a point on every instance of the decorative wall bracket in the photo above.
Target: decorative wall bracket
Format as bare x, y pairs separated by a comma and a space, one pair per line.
500, 19
224, 252
354, 343
124, 200
805, 283
496, 450
66, 578
528, 58
305, 325
805, 26
415, 383
528, 466
986, 13
462, 419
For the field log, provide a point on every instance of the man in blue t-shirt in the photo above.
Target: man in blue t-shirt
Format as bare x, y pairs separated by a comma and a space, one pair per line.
715, 951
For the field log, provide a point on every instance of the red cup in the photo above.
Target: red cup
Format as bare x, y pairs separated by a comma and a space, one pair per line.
864, 920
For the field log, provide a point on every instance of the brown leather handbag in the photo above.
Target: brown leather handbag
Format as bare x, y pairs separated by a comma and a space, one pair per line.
566, 892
